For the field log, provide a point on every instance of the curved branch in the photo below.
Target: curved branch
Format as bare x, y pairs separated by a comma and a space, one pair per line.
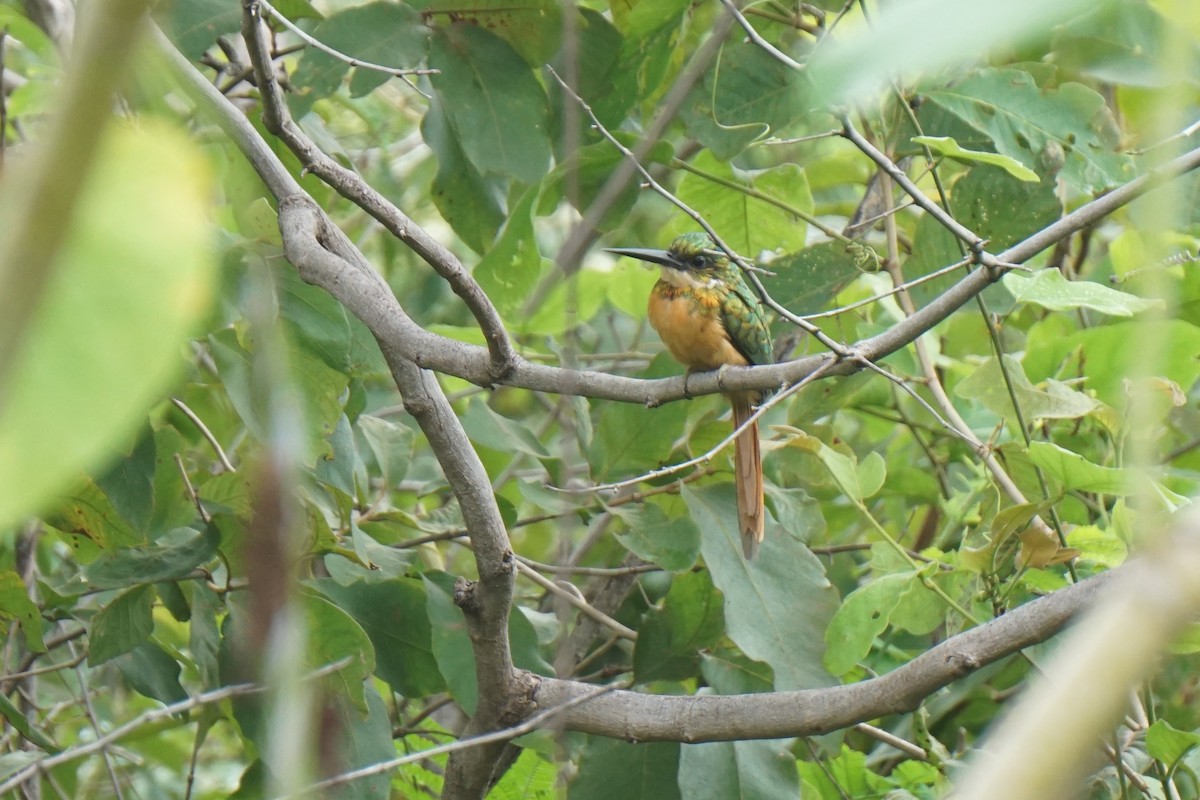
351, 186
398, 333
709, 718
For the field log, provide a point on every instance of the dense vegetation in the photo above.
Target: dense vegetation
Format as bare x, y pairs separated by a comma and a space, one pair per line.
330, 437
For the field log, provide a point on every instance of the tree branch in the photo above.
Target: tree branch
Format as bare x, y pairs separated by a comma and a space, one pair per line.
808, 712
351, 186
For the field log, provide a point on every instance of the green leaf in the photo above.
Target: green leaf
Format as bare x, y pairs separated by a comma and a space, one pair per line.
671, 541
857, 480
512, 264
611, 768
391, 444
926, 37
16, 605
394, 615
670, 639
87, 371
531, 778
806, 281
864, 614
389, 34
174, 557
757, 768
1075, 472
204, 636
1168, 744
325, 328
1049, 289
1111, 351
1057, 401
488, 429
946, 146
748, 95
990, 202
1035, 125
151, 672
19, 721
194, 26
728, 671
337, 636
631, 438
450, 642
364, 738
534, 28
496, 107
776, 606
122, 625
1121, 43
466, 199
747, 223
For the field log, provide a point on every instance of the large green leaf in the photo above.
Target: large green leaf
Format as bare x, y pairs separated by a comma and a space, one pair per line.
360, 737
863, 615
1075, 472
1071, 123
1056, 401
533, 27
1049, 289
611, 768
778, 605
806, 281
467, 199
151, 672
670, 540
394, 615
15, 605
451, 644
756, 768
496, 107
671, 638
122, 625
747, 223
174, 556
1109, 354
993, 204
130, 283
389, 34
511, 266
748, 95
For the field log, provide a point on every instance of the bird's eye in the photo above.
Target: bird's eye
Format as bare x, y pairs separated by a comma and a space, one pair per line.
698, 261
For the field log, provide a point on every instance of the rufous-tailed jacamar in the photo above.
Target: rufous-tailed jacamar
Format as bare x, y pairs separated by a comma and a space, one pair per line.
708, 318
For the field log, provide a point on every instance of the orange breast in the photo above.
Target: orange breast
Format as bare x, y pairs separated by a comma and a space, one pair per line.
691, 328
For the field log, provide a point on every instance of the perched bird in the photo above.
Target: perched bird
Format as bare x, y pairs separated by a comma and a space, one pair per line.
708, 317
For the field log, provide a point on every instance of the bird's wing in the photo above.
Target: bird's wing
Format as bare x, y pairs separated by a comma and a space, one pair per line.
746, 324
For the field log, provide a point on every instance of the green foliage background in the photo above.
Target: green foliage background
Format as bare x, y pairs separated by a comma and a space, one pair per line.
887, 533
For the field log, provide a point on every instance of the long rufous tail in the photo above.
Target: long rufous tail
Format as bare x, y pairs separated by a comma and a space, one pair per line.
748, 478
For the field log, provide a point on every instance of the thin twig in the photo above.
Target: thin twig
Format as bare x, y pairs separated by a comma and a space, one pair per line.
205, 432
578, 602
903, 745
531, 724
712, 452
147, 718
340, 56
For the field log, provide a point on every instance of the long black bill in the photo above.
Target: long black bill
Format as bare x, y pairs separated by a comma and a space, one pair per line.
646, 254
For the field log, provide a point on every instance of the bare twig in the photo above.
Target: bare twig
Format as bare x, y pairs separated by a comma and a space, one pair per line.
142, 720
340, 56
205, 432
503, 735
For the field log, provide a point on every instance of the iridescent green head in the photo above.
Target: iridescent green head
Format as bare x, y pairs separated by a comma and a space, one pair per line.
690, 252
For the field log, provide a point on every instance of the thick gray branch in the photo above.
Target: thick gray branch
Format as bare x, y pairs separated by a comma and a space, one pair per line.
707, 718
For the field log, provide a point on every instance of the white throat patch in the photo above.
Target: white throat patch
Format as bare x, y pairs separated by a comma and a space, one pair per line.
686, 280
